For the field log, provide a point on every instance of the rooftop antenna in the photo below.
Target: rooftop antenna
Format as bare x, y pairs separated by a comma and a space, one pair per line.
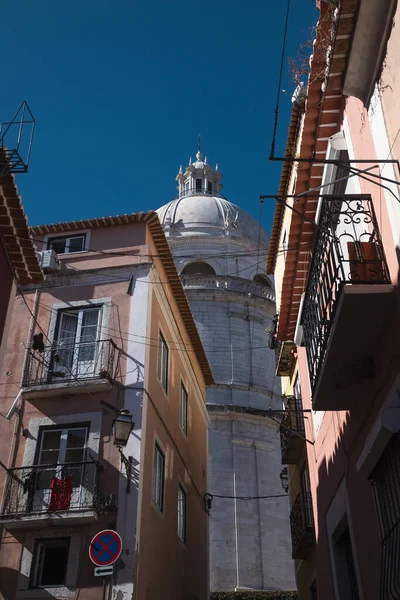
16, 138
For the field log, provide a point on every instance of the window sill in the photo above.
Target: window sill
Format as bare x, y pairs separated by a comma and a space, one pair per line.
158, 509
40, 593
163, 389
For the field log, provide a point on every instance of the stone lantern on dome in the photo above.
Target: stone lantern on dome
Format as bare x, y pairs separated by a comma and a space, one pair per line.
199, 178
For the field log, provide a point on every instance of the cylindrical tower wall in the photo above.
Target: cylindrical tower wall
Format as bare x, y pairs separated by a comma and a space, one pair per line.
250, 544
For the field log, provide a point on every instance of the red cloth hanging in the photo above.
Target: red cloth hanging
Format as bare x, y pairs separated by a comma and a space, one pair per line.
61, 490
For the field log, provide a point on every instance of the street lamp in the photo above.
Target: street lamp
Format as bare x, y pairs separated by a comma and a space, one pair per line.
284, 479
122, 427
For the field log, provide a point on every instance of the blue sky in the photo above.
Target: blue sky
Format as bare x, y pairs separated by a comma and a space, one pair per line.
120, 90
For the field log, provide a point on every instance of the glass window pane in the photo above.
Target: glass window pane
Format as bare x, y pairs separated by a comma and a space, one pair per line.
74, 455
51, 439
76, 438
76, 244
158, 477
90, 317
67, 329
49, 457
57, 244
183, 406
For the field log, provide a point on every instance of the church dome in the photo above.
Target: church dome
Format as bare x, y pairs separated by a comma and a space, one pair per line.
200, 210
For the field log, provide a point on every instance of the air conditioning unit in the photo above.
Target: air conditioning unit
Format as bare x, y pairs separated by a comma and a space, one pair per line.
49, 261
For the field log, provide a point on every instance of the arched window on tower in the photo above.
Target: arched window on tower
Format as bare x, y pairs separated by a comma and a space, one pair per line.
261, 279
198, 268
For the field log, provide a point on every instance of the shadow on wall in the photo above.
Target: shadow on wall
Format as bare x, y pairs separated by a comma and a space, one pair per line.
357, 506
9, 579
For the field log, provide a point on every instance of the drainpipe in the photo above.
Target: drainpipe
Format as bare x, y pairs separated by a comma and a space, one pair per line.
235, 512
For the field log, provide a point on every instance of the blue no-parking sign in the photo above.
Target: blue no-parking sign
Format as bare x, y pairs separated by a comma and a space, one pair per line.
105, 548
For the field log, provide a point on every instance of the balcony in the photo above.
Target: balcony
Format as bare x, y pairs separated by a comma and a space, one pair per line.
45, 495
88, 365
292, 432
302, 526
348, 302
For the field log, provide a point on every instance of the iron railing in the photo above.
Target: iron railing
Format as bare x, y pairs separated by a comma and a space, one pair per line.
49, 488
386, 487
292, 430
72, 363
194, 191
348, 250
301, 521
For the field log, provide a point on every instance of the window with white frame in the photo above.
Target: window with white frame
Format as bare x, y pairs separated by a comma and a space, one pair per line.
162, 364
181, 513
50, 561
63, 479
158, 476
67, 244
183, 409
77, 351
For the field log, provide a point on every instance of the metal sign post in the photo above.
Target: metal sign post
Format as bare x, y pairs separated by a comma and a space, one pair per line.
104, 549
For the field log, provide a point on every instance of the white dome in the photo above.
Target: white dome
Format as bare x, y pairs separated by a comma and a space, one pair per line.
205, 215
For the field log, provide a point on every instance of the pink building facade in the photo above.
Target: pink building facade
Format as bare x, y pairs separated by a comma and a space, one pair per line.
109, 329
335, 255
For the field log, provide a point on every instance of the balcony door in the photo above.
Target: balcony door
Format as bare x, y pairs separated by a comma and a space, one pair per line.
60, 480
77, 350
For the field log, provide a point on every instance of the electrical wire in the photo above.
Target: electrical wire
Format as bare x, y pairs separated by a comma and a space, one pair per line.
278, 94
249, 497
121, 334
152, 256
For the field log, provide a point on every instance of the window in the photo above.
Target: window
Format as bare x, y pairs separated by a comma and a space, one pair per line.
262, 280
198, 268
59, 483
182, 513
158, 476
386, 487
209, 187
199, 185
67, 244
183, 409
313, 591
49, 565
77, 353
284, 244
344, 566
162, 366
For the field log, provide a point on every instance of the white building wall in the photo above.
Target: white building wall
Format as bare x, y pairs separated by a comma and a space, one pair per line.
250, 543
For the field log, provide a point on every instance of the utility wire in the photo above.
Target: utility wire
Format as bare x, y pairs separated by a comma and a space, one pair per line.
278, 94
121, 334
249, 497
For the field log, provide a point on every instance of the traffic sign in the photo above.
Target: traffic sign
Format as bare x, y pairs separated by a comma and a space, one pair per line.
103, 571
105, 548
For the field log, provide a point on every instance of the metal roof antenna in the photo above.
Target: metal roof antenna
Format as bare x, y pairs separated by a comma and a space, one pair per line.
16, 137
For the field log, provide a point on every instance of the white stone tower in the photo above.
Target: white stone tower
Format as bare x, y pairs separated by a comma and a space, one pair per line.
220, 253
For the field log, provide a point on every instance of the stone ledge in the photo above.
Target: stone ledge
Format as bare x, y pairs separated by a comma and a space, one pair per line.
253, 595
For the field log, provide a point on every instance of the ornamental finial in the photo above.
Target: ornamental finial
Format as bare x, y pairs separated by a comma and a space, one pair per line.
199, 155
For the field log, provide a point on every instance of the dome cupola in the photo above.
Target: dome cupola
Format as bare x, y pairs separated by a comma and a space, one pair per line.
199, 178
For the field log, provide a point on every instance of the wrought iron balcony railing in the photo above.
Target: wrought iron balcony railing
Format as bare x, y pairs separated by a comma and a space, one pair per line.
72, 363
41, 489
302, 525
292, 431
195, 191
348, 250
